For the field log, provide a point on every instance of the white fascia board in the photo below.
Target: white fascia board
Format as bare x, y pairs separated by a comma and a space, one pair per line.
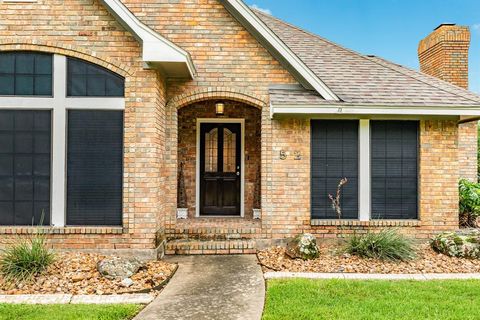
155, 48
374, 110
280, 50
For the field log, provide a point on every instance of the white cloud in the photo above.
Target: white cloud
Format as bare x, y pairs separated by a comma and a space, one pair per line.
268, 11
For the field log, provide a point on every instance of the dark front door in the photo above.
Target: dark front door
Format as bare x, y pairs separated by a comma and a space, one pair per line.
220, 169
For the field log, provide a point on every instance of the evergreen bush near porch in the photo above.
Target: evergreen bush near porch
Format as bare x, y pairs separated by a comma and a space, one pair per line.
469, 203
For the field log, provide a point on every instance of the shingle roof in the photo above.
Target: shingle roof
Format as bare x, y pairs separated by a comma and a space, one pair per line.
360, 79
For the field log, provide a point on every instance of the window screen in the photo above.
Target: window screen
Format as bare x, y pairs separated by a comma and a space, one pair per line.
25, 74
89, 80
94, 167
394, 167
334, 156
25, 139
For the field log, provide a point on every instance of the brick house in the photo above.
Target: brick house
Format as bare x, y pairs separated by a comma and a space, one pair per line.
106, 104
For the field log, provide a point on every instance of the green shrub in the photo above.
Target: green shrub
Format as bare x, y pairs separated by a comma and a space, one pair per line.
469, 202
388, 244
26, 258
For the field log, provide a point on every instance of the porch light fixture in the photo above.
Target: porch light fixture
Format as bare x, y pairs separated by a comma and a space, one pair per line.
220, 108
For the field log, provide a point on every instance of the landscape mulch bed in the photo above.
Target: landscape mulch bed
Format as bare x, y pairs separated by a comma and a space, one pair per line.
334, 260
76, 273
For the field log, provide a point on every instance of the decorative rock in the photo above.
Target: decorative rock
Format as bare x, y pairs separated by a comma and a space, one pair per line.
303, 246
118, 268
127, 282
465, 243
78, 277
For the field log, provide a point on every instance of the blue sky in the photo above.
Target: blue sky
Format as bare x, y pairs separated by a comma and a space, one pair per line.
387, 28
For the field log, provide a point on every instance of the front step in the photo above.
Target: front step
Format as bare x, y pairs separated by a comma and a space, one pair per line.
215, 230
193, 247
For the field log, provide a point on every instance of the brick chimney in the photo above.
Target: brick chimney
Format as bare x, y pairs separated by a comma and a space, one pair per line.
444, 54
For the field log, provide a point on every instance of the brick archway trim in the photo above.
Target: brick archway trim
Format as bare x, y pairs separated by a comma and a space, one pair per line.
67, 50
214, 93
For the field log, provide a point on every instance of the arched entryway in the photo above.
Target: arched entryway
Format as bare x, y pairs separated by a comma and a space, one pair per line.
219, 158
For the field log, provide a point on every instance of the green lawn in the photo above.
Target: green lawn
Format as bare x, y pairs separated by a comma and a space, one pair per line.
393, 300
68, 312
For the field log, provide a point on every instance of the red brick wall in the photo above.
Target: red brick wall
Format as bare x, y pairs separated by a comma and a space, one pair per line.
287, 208
84, 29
444, 54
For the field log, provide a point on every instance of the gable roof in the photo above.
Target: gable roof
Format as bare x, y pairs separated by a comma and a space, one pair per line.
304, 75
157, 51
358, 79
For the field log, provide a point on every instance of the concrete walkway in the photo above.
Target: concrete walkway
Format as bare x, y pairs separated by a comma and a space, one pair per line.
211, 287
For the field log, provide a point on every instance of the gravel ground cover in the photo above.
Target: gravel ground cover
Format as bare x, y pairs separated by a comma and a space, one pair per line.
76, 273
333, 260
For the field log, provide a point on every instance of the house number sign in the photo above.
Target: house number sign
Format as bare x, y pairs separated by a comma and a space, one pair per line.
297, 155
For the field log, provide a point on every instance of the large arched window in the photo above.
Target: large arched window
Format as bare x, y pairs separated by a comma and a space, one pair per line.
71, 177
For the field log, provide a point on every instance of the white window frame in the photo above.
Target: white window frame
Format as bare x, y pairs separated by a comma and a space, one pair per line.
364, 187
59, 104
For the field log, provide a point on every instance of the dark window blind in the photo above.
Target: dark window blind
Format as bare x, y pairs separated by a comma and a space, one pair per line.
94, 167
25, 74
334, 149
25, 156
85, 79
394, 169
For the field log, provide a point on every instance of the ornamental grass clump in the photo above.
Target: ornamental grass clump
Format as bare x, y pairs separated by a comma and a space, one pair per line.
388, 244
25, 259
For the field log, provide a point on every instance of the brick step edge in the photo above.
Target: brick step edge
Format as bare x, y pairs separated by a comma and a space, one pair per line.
192, 247
211, 237
132, 298
213, 230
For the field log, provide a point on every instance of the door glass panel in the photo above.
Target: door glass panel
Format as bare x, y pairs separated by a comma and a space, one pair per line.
229, 151
211, 151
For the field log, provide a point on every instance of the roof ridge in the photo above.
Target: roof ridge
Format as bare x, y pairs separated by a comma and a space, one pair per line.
385, 63
372, 60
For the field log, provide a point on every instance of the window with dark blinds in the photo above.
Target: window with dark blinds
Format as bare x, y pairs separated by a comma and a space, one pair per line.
334, 152
85, 79
94, 167
25, 156
394, 169
25, 74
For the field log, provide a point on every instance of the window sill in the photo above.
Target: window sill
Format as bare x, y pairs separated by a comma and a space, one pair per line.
371, 223
60, 230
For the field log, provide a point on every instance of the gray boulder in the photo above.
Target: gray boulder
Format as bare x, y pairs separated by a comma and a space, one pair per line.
303, 246
464, 243
119, 268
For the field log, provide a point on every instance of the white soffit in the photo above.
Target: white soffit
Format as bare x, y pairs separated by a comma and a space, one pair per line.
157, 51
278, 48
365, 110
